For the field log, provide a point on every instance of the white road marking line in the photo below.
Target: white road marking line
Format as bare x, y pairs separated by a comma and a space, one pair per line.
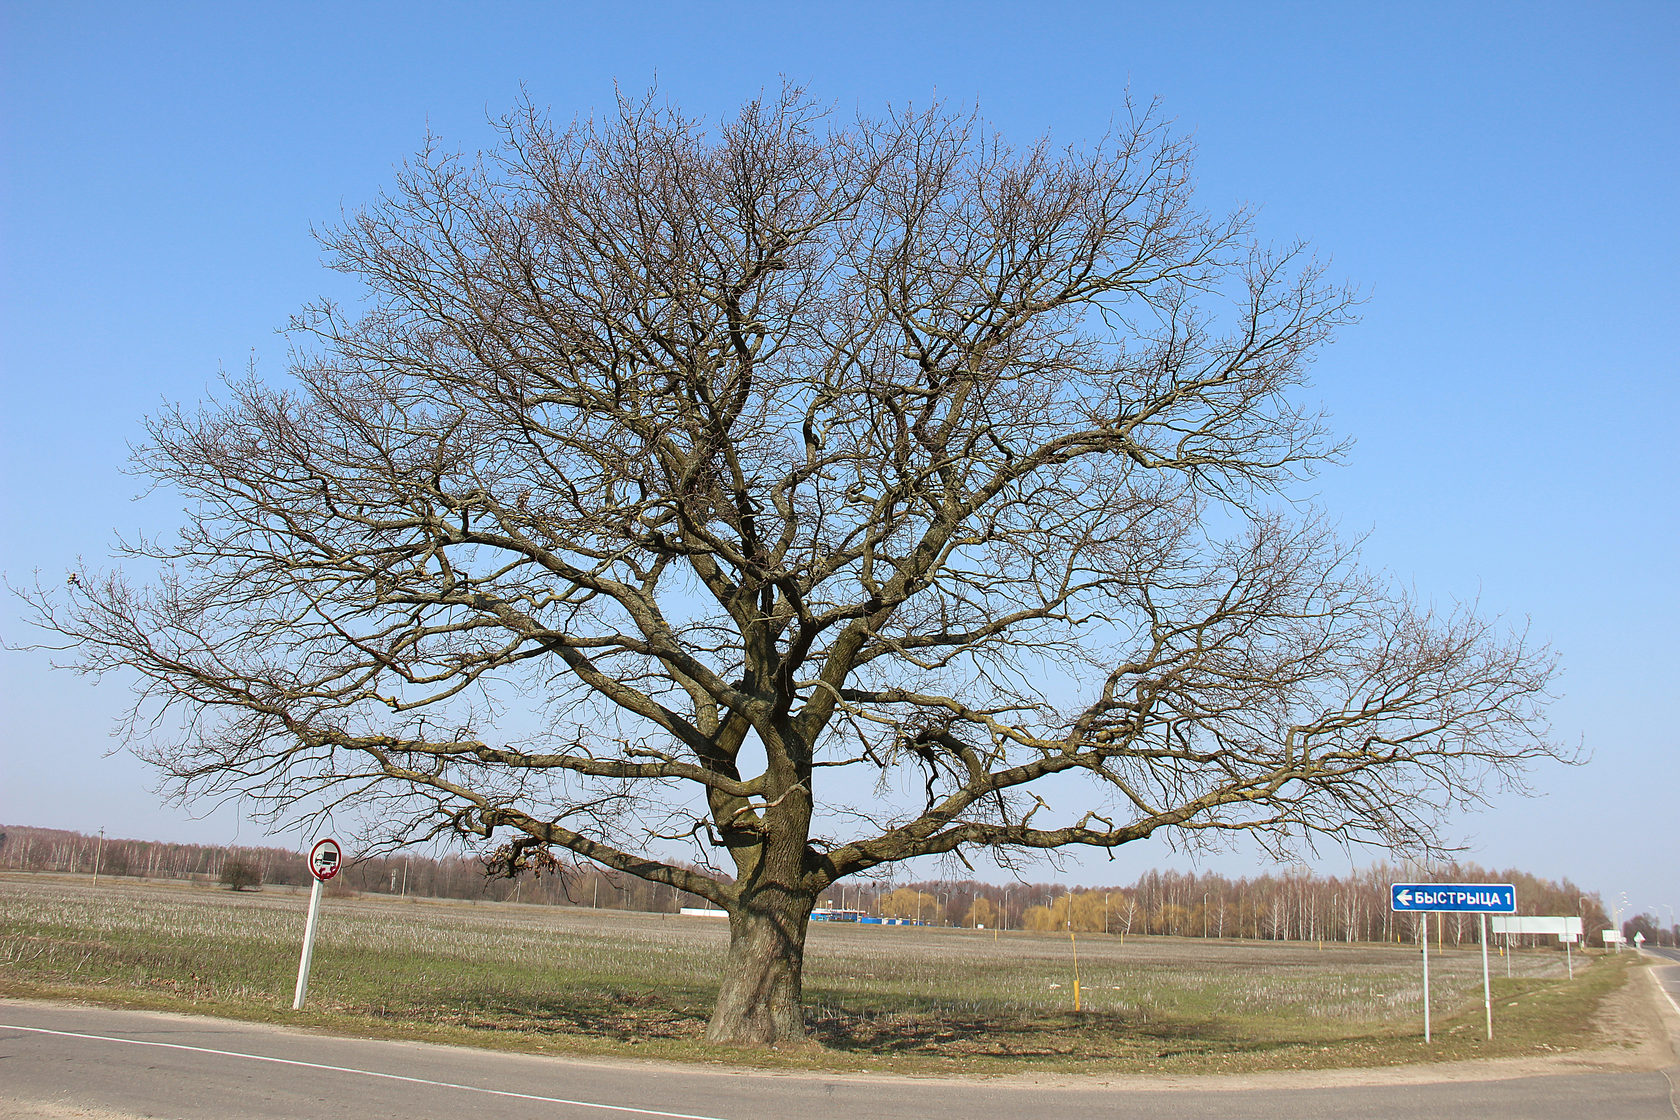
1663, 988
362, 1072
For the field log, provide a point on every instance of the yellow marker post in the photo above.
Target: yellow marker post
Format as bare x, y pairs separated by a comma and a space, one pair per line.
1075, 942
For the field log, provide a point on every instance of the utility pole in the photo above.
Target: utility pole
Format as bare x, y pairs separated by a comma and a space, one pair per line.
98, 852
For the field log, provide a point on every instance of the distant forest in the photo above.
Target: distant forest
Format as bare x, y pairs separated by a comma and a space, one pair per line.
1290, 905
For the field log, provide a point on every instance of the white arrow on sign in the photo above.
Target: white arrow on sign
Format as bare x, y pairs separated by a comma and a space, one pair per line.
1405, 898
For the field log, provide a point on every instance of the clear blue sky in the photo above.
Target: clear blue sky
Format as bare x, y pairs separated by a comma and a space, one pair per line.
1500, 180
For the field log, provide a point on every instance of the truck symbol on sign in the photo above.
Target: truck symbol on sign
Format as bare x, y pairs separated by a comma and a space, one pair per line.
324, 860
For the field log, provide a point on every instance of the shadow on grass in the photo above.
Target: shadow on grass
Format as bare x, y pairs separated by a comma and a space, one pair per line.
1052, 1036
630, 1016
627, 1017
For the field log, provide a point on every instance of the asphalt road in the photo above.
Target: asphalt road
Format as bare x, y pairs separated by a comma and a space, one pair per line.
114, 1065
1668, 976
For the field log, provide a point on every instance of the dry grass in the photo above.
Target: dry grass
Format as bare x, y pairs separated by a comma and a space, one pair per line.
915, 1000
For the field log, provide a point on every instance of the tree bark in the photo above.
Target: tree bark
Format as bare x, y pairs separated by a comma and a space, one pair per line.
761, 1001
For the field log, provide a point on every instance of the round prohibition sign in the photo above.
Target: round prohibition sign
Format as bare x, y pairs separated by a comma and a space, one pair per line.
325, 859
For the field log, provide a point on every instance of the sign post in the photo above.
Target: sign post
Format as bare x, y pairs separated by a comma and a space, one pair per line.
1455, 898
325, 859
1487, 984
1425, 917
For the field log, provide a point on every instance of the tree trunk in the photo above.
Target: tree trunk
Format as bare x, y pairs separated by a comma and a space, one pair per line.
761, 1001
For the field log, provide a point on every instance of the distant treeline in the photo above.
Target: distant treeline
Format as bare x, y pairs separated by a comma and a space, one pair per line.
23, 848
1295, 905
1291, 906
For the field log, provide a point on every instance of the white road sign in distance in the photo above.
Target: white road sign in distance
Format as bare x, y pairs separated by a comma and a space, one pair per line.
325, 859
1562, 926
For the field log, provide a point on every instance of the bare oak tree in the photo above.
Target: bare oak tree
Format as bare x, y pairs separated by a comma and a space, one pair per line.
670, 477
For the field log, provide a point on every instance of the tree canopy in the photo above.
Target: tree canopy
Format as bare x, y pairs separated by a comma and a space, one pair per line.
670, 476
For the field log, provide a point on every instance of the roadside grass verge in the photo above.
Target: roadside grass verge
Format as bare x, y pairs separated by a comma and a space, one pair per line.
892, 999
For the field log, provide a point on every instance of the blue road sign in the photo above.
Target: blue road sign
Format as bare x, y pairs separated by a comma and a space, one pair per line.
1472, 898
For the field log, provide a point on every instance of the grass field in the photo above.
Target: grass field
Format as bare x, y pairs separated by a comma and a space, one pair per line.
881, 998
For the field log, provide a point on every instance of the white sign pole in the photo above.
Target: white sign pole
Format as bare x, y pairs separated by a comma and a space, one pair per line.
1487, 985
1425, 917
308, 945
